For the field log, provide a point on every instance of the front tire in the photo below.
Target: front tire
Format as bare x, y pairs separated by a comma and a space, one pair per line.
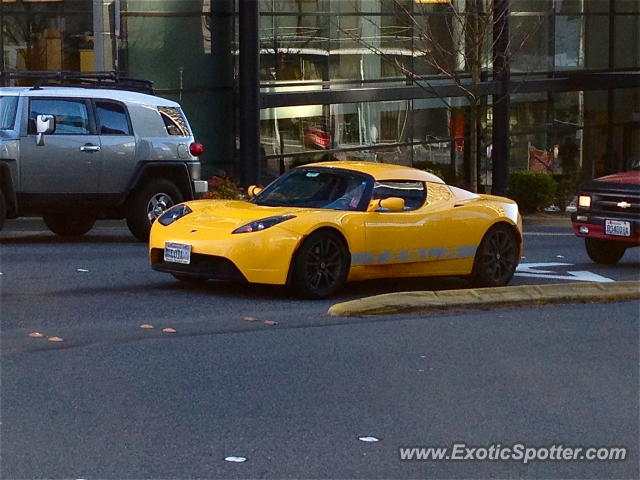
149, 203
320, 266
606, 252
68, 225
496, 258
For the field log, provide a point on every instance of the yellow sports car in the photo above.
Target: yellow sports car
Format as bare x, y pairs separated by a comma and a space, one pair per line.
322, 224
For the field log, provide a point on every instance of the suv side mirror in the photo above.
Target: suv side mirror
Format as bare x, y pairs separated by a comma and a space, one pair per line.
45, 125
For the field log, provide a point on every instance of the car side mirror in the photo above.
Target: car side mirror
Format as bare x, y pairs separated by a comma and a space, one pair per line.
391, 204
45, 125
253, 190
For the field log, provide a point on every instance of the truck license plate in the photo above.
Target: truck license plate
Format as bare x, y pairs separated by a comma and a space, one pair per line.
617, 227
177, 252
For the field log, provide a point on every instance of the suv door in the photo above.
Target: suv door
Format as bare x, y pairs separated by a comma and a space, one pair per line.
118, 146
69, 161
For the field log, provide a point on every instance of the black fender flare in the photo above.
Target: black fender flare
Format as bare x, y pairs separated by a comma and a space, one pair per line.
177, 172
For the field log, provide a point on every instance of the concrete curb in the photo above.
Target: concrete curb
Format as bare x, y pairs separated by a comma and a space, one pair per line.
488, 298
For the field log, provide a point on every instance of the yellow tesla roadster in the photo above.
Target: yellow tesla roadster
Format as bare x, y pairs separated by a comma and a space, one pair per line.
322, 224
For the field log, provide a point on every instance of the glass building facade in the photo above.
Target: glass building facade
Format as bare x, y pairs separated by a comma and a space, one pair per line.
398, 81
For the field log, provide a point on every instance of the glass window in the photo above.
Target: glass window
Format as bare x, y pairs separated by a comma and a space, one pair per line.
329, 188
112, 119
72, 116
597, 42
8, 112
531, 5
174, 121
413, 193
529, 37
627, 41
47, 35
568, 54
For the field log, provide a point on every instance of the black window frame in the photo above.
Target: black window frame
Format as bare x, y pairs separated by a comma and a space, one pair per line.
184, 128
31, 128
95, 102
420, 182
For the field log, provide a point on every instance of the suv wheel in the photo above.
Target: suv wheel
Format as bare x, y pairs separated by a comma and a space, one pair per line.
68, 225
149, 203
607, 252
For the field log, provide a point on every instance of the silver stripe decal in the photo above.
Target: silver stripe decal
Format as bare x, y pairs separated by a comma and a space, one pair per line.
413, 255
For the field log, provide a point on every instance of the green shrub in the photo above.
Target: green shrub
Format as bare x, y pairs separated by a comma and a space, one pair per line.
222, 186
531, 190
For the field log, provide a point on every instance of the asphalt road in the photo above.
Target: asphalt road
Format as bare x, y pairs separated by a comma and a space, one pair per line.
292, 395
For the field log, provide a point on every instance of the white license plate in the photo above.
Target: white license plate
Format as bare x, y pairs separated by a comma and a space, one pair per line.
617, 227
177, 252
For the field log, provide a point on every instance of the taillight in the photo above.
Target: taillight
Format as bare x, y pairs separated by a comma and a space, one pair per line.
196, 149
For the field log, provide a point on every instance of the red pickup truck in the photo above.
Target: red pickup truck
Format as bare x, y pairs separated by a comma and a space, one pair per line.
608, 215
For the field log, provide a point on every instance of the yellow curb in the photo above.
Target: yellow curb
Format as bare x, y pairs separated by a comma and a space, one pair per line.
486, 298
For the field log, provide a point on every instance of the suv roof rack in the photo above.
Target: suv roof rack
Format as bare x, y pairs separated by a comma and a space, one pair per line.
66, 78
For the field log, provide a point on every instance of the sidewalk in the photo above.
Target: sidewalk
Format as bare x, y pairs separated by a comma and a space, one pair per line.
546, 220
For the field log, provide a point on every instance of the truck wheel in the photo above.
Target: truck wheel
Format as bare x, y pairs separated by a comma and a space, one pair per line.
607, 252
149, 203
68, 225
3, 210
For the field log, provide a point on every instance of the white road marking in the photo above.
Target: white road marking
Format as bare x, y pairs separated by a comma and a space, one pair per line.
550, 234
368, 439
534, 270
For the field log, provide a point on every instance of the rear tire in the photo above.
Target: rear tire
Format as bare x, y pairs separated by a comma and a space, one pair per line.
606, 252
149, 203
321, 266
68, 225
496, 258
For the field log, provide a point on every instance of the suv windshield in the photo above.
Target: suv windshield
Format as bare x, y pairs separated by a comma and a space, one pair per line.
7, 112
329, 188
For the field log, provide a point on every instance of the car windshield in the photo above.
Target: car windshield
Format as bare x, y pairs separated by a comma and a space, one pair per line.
7, 112
329, 188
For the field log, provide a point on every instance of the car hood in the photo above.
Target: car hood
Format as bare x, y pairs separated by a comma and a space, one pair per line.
230, 214
632, 176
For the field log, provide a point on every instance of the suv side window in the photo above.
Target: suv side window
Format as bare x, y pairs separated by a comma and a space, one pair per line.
174, 121
72, 116
112, 118
413, 193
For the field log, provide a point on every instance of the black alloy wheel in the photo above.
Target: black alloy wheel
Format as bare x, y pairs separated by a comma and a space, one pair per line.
496, 258
321, 265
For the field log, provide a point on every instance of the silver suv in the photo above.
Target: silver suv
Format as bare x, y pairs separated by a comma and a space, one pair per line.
74, 155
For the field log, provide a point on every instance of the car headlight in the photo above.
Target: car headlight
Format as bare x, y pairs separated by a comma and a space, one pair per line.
173, 214
584, 201
263, 224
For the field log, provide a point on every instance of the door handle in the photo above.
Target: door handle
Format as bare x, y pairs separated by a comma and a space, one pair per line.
90, 148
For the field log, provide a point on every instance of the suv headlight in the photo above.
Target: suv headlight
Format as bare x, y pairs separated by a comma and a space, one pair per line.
173, 214
263, 224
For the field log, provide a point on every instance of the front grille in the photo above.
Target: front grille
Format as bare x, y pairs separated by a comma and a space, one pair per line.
208, 266
615, 203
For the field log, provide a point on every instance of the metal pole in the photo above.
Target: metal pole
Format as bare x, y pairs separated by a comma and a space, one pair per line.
501, 72
249, 93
